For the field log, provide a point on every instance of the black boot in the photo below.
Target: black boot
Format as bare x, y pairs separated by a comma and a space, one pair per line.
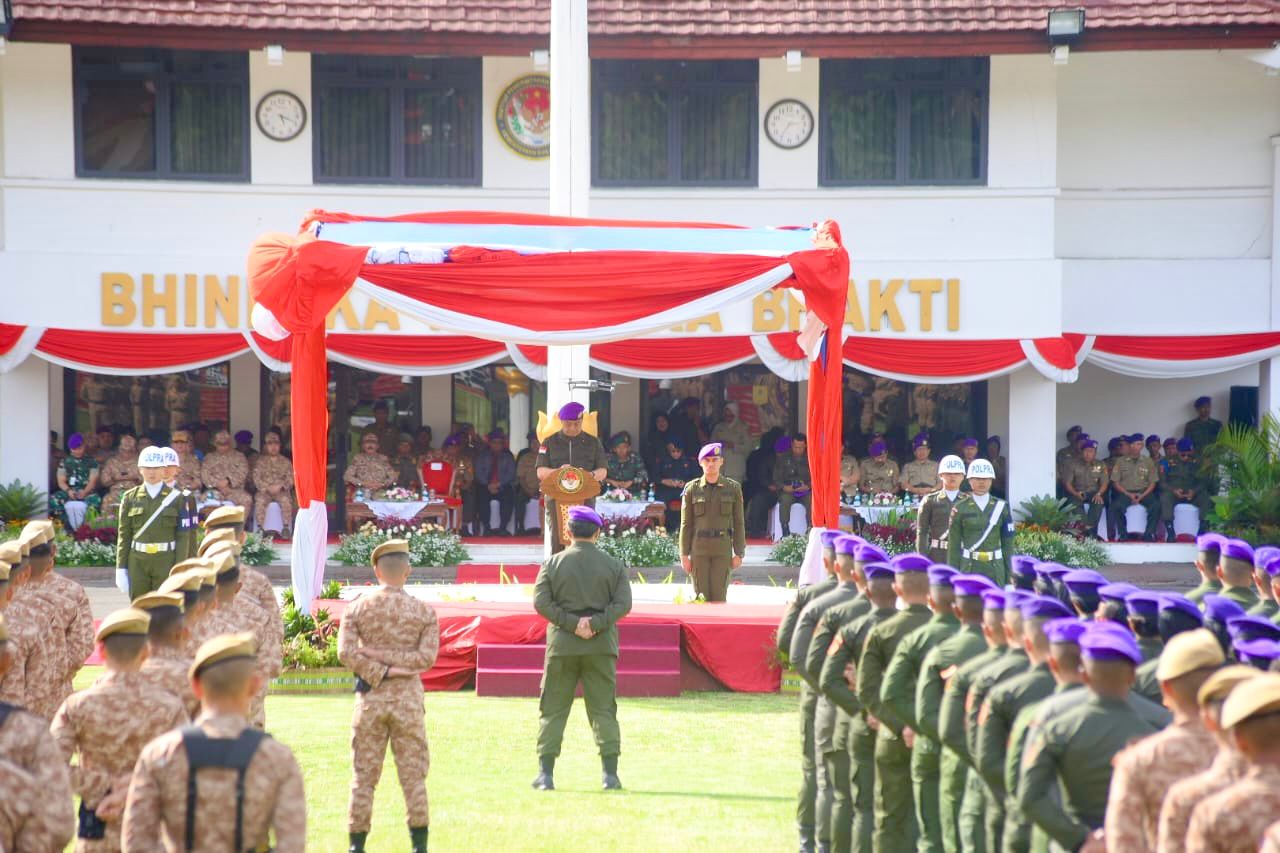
1169, 535
546, 767
357, 842
611, 782
418, 837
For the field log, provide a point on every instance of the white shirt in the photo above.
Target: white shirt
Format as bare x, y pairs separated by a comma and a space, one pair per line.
153, 489
982, 501
951, 496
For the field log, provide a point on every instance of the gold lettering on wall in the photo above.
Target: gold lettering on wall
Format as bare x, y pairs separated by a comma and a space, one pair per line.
711, 321
953, 305
190, 306
767, 312
925, 288
165, 300
378, 313
884, 304
220, 301
343, 309
118, 308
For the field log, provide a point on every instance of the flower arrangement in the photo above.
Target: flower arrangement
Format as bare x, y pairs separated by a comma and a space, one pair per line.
397, 494
638, 546
789, 550
257, 550
617, 495
429, 544
1062, 548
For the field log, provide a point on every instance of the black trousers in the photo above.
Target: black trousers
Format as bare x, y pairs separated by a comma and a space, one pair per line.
506, 502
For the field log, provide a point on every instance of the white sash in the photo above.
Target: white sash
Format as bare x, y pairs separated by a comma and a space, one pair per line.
991, 524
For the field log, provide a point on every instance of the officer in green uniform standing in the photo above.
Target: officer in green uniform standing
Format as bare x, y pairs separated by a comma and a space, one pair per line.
898, 703
980, 539
1183, 484
569, 447
582, 592
1086, 481
1202, 429
150, 537
895, 822
933, 519
791, 476
713, 535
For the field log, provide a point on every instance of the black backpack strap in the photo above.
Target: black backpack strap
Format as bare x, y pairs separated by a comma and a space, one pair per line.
229, 753
5, 710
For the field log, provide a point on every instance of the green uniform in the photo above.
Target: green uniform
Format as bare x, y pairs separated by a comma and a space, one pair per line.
712, 530
1074, 751
631, 468
581, 581
852, 815
801, 639
1245, 596
792, 470
898, 710
933, 524
1212, 586
937, 668
959, 831
979, 806
582, 451
995, 725
1132, 476
1267, 608
1089, 479
895, 815
1187, 477
981, 539
1202, 433
151, 536
1147, 685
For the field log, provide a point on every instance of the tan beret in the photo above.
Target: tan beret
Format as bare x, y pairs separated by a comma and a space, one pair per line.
391, 546
1189, 651
217, 537
225, 515
208, 577
152, 600
5, 568
189, 580
1258, 695
221, 560
12, 552
223, 648
127, 621
188, 565
36, 533
1222, 682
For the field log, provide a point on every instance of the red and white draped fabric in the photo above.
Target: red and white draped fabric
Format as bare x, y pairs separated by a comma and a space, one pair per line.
535, 280
1155, 357
672, 358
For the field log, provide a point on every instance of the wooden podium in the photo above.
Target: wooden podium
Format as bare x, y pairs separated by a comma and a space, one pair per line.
567, 487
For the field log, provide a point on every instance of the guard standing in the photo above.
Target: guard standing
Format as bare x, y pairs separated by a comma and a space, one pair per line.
1202, 429
582, 592
980, 539
1086, 480
569, 447
150, 537
190, 518
713, 536
933, 520
388, 638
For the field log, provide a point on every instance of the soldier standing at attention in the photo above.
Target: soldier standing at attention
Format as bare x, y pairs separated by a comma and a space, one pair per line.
920, 476
150, 537
582, 592
980, 539
1202, 429
166, 664
713, 535
190, 518
72, 623
1266, 566
388, 638
933, 521
1133, 481
226, 523
879, 473
1235, 570
105, 727
792, 479
570, 447
234, 810
1086, 481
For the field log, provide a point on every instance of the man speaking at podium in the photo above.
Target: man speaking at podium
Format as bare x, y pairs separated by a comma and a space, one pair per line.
569, 447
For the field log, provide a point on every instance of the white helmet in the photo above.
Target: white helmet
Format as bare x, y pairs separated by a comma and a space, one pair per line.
151, 457
171, 457
982, 468
951, 464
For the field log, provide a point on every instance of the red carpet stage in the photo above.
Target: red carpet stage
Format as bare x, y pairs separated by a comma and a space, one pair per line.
732, 642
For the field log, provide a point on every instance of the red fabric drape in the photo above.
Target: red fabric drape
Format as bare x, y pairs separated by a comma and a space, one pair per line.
279, 350
535, 354
1059, 352
664, 355
9, 336
489, 217
414, 349
933, 358
1188, 348
786, 345
137, 350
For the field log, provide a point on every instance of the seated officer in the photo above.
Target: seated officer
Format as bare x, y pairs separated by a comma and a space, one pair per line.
1183, 484
673, 473
880, 474
791, 476
1086, 481
1133, 481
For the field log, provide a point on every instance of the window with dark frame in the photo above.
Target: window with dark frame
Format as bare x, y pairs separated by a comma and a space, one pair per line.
397, 120
144, 113
674, 123
903, 121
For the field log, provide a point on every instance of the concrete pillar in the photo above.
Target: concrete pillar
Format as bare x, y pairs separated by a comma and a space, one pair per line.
24, 431
437, 406
246, 396
518, 406
1033, 416
1269, 388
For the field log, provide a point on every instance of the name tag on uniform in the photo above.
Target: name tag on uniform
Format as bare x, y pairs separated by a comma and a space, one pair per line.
437, 466
135, 510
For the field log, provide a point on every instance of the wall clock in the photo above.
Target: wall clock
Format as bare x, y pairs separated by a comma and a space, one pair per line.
788, 123
280, 115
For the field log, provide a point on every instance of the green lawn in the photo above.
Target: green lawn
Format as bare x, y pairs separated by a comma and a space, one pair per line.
702, 772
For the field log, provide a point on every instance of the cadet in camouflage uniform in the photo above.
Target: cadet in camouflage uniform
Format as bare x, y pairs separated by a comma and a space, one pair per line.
920, 476
933, 520
388, 639
1086, 481
70, 625
569, 447
895, 815
625, 470
1133, 481
879, 473
898, 703
167, 664
713, 536
1183, 483
791, 476
980, 539
150, 537
1202, 430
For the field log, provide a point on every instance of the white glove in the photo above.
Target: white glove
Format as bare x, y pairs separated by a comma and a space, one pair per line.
122, 580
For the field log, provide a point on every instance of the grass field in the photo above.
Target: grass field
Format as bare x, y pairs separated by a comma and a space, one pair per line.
703, 772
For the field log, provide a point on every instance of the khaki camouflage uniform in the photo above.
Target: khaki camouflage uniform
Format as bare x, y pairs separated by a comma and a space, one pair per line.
879, 476
231, 465
74, 624
369, 471
1228, 767
244, 614
29, 653
168, 668
119, 474
19, 799
44, 673
26, 742
189, 472
1237, 818
391, 710
271, 471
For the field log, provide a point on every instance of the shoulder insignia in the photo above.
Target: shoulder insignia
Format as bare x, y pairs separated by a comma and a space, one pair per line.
835, 645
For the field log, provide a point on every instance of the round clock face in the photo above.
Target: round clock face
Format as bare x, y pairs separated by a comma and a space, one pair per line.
788, 123
281, 115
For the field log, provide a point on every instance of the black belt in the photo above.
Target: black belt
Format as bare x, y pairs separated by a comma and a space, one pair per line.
585, 613
711, 534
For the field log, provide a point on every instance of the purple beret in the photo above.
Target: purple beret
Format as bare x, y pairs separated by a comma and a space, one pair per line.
1114, 443
1099, 644
1221, 608
1152, 438
847, 545
993, 599
1084, 445
714, 449
1210, 542
571, 411
1273, 566
876, 448
911, 562
1065, 630
1264, 554
1258, 652
970, 442
878, 571
1043, 607
1171, 441
1249, 626
243, 437
585, 513
783, 444
921, 440
1083, 436
451, 441
1202, 401
1024, 565
1054, 570
828, 538
1181, 604
496, 433
940, 575
76, 440
1238, 549
1143, 603
1117, 591
1084, 580
1014, 598
870, 553
972, 586
1185, 445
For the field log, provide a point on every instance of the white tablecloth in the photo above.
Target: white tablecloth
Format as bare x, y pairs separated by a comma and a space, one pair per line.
401, 510
621, 509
